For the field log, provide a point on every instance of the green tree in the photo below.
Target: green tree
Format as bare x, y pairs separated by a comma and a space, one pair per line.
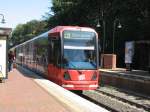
134, 16
24, 32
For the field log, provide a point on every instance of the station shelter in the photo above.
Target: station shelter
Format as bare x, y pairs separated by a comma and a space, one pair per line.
4, 36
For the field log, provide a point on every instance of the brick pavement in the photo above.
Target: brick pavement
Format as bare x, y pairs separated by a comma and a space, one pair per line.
21, 94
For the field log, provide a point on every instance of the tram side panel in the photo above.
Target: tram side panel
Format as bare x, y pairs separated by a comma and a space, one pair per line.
33, 55
41, 55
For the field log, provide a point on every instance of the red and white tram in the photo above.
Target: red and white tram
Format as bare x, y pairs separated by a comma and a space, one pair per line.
66, 55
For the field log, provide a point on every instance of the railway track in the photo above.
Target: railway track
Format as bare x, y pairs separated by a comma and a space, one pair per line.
98, 103
118, 101
128, 100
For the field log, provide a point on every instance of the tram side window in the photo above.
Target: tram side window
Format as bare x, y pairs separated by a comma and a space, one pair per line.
57, 52
50, 51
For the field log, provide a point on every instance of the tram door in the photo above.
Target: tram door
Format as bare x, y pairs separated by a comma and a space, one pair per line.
54, 57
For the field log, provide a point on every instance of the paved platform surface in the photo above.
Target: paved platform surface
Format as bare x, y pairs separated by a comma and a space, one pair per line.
136, 80
139, 74
123, 70
21, 94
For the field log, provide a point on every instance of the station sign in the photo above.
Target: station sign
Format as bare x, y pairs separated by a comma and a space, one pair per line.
129, 51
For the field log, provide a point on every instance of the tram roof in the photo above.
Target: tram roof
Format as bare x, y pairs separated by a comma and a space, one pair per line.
61, 28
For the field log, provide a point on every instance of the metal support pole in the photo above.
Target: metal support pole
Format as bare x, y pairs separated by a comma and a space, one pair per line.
104, 34
114, 28
104, 37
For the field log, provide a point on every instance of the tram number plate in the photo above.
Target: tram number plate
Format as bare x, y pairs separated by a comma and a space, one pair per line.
82, 77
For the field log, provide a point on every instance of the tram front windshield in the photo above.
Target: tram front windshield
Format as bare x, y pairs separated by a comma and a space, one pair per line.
79, 50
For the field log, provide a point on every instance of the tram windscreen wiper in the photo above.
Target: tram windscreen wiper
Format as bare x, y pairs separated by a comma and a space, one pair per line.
73, 65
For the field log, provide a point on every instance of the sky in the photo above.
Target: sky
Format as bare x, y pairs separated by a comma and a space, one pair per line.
21, 11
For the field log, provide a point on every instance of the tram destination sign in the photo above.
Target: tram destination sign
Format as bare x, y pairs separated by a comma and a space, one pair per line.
78, 35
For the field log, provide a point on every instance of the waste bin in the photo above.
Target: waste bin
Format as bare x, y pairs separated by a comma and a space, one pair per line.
109, 61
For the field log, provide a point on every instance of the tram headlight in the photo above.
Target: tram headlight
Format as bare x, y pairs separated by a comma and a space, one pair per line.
67, 76
94, 77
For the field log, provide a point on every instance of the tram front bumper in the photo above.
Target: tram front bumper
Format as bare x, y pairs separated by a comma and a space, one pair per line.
80, 86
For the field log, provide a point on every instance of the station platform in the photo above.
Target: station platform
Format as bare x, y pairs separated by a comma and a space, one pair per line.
138, 75
25, 92
135, 80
